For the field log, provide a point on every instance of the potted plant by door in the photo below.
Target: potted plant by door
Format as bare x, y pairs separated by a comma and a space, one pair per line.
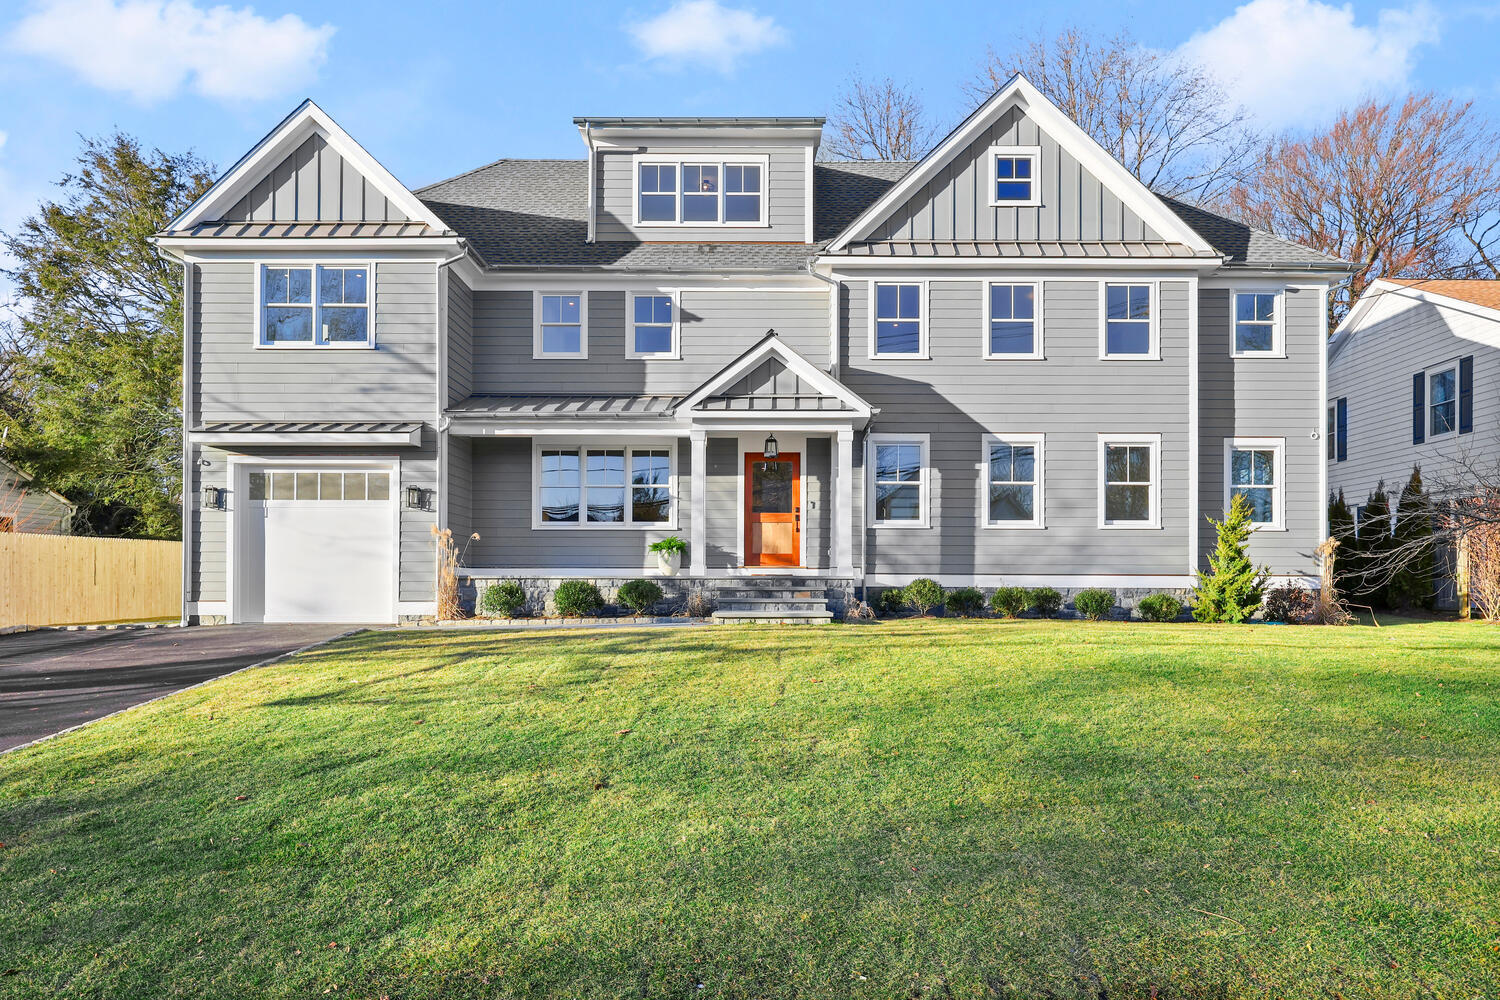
669, 554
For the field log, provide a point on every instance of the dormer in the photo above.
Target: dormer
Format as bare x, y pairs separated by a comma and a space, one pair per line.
701, 180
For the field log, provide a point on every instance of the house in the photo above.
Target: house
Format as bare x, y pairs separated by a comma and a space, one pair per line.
1403, 367
27, 509
1006, 362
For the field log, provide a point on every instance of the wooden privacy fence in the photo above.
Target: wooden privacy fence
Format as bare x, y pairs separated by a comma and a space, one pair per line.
65, 580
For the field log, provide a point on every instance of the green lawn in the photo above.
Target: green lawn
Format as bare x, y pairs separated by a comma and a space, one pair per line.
911, 808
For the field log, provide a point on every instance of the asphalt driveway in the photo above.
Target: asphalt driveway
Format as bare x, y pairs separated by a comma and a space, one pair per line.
50, 681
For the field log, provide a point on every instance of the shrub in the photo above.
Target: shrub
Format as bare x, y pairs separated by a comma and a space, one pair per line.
1231, 589
1159, 608
1290, 604
639, 595
1045, 601
1094, 604
1010, 601
922, 595
505, 599
577, 599
966, 602
891, 601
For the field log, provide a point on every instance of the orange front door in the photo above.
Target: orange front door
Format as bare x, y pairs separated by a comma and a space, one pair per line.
773, 509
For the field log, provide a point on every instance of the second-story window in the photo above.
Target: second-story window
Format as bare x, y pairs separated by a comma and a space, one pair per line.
1013, 327
653, 326
701, 192
897, 329
561, 328
1128, 328
314, 306
1255, 324
1442, 402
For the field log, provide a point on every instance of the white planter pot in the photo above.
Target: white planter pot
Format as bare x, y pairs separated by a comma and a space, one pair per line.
669, 563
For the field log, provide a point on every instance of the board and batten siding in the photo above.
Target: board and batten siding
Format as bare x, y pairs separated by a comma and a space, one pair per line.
716, 327
1374, 369
1264, 398
314, 184
1072, 396
955, 204
786, 197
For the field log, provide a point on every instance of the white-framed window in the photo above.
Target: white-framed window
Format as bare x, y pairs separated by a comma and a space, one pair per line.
314, 305
1130, 480
1253, 468
1012, 495
1257, 319
898, 328
1012, 320
898, 480
653, 327
1442, 400
1015, 175
1127, 321
604, 484
701, 191
561, 325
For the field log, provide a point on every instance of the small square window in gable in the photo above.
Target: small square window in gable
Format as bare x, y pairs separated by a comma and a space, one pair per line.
1015, 175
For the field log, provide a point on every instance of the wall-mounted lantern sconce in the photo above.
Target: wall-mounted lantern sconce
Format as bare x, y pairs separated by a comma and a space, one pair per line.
772, 449
419, 498
214, 497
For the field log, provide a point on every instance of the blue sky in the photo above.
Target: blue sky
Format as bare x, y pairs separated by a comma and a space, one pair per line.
435, 88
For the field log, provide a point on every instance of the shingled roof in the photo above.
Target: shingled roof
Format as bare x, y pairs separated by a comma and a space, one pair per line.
534, 213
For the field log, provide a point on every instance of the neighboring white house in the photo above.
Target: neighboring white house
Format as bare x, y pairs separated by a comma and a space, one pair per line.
26, 508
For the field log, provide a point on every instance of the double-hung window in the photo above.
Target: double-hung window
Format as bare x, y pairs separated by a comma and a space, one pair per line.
1129, 324
324, 305
897, 480
1129, 481
1012, 466
1011, 327
1442, 401
653, 326
701, 192
561, 329
1015, 175
1254, 472
896, 326
602, 486
1257, 324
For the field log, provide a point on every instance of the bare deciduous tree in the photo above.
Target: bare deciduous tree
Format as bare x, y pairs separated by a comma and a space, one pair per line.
879, 120
1398, 188
1167, 120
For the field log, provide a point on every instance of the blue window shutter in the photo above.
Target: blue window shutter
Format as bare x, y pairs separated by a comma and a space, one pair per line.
1342, 420
1418, 408
1466, 394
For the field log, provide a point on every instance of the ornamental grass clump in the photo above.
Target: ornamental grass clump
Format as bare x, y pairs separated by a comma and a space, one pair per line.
1010, 601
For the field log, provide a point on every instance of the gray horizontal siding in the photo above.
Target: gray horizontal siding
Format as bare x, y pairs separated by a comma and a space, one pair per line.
1072, 396
314, 184
460, 339
396, 380
954, 205
32, 510
786, 193
716, 328
1264, 397
460, 487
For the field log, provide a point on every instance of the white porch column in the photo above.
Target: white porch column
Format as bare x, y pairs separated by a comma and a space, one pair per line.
843, 510
698, 536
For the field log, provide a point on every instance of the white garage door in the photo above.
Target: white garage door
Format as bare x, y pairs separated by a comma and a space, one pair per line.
318, 547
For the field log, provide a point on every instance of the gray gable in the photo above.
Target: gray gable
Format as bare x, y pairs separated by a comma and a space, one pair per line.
314, 184
770, 385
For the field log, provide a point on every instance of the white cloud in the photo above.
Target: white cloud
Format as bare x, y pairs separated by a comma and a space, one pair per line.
706, 33
1297, 62
152, 49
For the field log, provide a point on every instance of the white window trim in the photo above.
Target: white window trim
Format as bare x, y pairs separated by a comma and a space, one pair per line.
580, 445
1037, 353
922, 309
675, 354
1039, 501
1450, 365
761, 160
1278, 445
257, 335
1331, 446
1153, 304
1154, 442
537, 353
1278, 326
1035, 152
925, 490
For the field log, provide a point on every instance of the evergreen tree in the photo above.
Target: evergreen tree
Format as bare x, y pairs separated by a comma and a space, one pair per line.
1231, 589
1411, 584
1346, 556
1374, 549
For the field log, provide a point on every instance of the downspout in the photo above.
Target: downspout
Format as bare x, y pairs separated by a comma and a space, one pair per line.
588, 140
